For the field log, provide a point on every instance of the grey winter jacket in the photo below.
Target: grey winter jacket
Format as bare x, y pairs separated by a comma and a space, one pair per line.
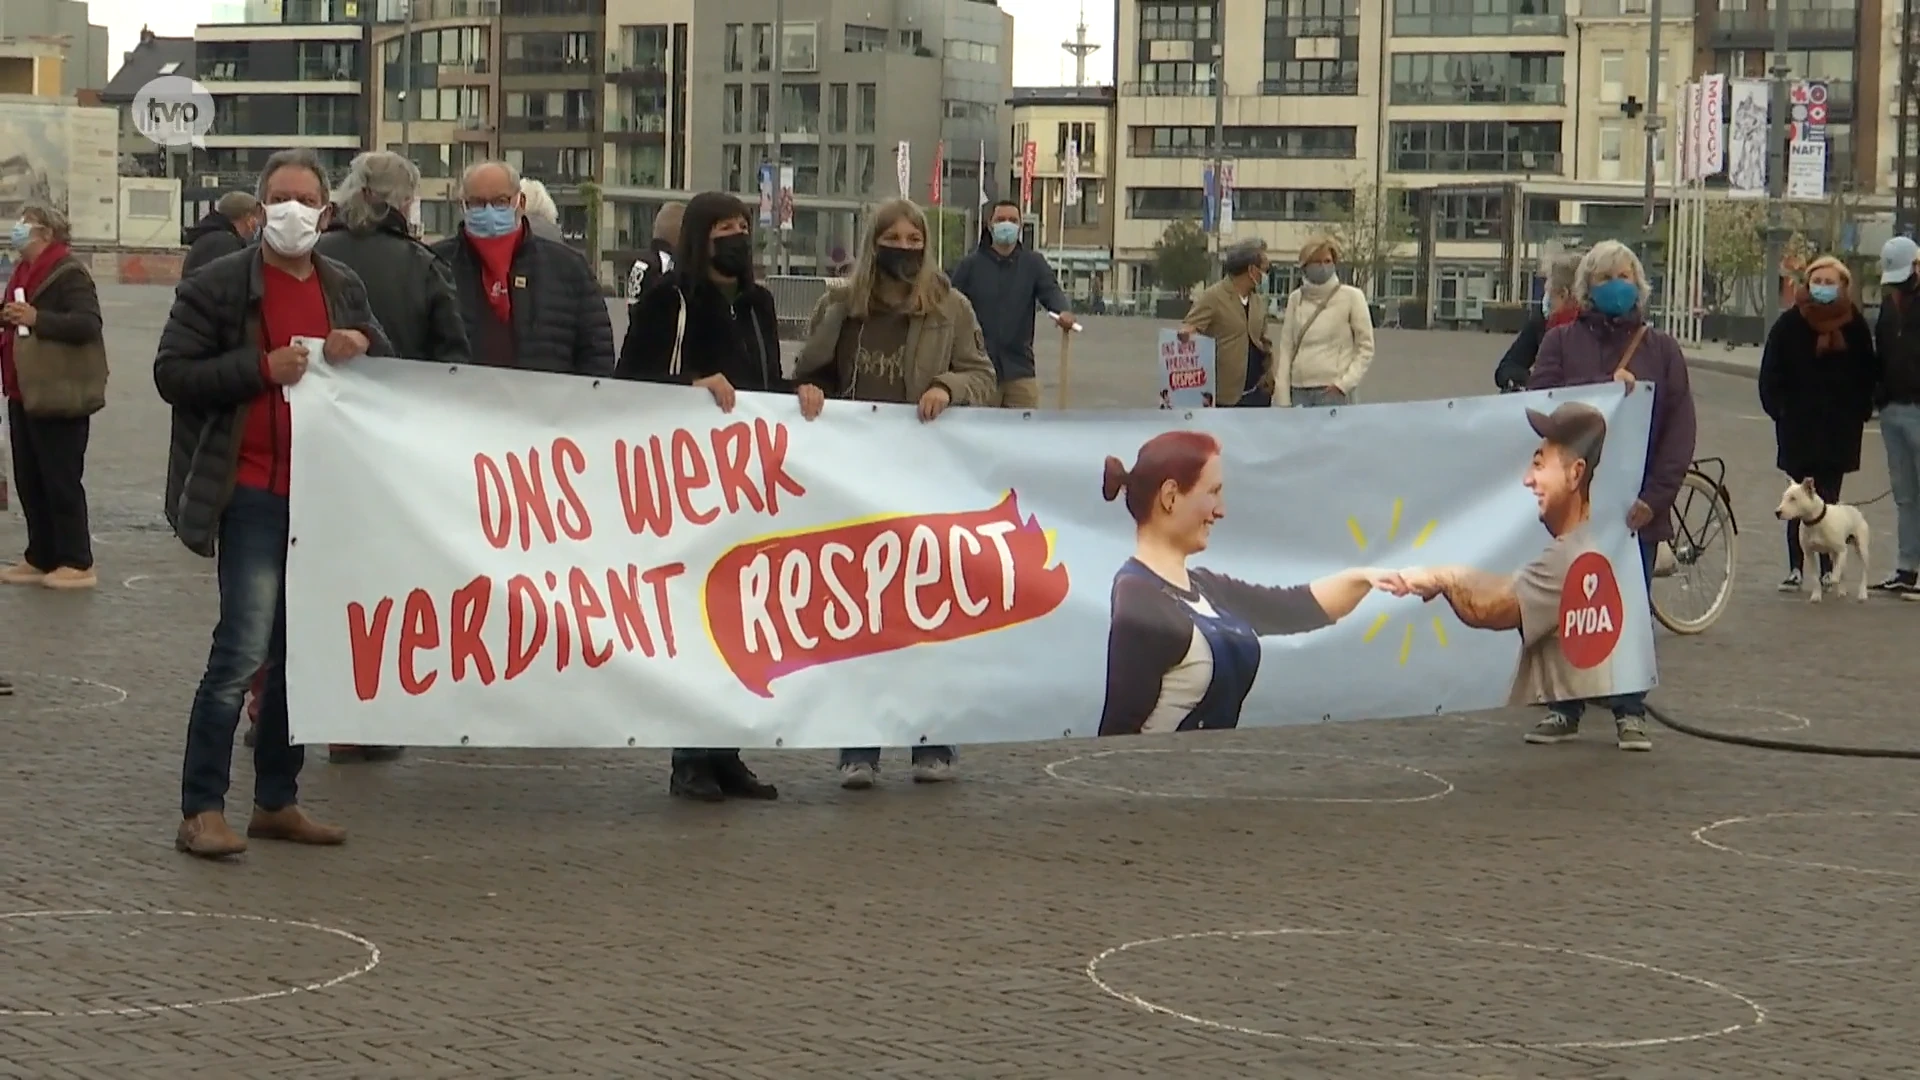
1004, 290
411, 289
208, 368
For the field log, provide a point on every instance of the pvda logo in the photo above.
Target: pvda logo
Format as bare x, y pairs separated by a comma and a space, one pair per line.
173, 110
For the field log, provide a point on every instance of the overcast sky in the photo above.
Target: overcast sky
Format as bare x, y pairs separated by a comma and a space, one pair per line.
1043, 26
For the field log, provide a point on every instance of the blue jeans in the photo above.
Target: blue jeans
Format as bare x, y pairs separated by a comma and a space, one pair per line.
1900, 430
1623, 705
870, 755
251, 635
1319, 397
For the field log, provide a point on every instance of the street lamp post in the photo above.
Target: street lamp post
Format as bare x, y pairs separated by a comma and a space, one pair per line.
1777, 149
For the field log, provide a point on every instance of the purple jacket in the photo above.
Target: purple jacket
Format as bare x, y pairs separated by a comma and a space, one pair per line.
1586, 351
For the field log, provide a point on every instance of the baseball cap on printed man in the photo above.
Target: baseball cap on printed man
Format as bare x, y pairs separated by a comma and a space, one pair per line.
1896, 260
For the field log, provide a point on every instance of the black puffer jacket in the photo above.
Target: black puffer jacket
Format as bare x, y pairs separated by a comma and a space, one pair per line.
560, 320
1898, 339
208, 239
1819, 402
411, 289
208, 369
740, 340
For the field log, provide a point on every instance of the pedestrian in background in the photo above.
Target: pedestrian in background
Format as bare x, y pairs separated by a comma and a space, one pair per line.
1326, 337
1611, 340
229, 227
53, 372
1557, 309
898, 333
653, 264
1817, 377
1005, 280
707, 323
1897, 337
543, 215
1234, 314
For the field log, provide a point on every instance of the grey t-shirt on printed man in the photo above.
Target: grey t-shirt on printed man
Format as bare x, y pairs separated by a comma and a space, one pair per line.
1545, 675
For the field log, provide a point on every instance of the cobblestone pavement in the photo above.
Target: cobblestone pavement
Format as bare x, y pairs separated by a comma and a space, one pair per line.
1425, 899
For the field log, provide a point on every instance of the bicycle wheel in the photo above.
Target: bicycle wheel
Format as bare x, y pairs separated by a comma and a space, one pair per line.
1694, 581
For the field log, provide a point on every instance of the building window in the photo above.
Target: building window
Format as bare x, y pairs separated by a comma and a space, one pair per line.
733, 163
551, 110
837, 108
863, 170
1176, 49
327, 114
1479, 78
223, 61
800, 47
912, 41
1247, 142
866, 114
973, 52
327, 61
762, 109
763, 46
554, 53
1469, 217
1312, 48
1474, 146
858, 39
1479, 18
1612, 150
836, 170
1082, 134
1613, 77
800, 110
1249, 204
1177, 22
806, 169
733, 109
736, 58
1831, 66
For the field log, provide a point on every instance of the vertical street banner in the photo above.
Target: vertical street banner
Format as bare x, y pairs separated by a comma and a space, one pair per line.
767, 182
1209, 198
1071, 196
1712, 125
1747, 139
1186, 371
1689, 132
1029, 159
903, 168
786, 198
488, 557
938, 179
1226, 198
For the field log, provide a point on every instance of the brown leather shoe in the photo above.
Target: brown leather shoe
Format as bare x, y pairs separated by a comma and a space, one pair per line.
207, 836
293, 826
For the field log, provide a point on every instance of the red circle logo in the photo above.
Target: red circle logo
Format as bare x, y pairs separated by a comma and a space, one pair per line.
1590, 612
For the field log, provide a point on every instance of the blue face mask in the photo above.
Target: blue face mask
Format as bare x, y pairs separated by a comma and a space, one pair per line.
1615, 298
21, 232
1824, 294
488, 222
1006, 233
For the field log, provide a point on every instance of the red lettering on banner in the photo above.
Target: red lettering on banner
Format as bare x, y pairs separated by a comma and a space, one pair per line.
541, 625
519, 495
660, 479
1186, 380
783, 604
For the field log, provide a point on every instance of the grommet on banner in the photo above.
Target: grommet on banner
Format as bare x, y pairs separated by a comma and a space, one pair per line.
923, 740
631, 741
1330, 412
779, 742
1189, 416
1067, 734
453, 369
1449, 404
1026, 415
463, 740
1326, 718
596, 384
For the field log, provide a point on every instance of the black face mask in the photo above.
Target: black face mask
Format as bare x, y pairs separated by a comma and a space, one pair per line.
900, 264
733, 255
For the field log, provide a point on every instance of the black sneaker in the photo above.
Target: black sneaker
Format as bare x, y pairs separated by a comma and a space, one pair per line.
737, 781
693, 779
6, 688
1792, 582
1902, 583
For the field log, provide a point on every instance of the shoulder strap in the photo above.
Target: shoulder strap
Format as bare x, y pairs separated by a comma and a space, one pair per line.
679, 330
66, 266
1633, 346
1301, 335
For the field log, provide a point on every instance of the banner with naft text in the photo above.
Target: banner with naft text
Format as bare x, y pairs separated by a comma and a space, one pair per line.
485, 557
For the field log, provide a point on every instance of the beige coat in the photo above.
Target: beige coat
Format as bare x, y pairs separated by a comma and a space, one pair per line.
945, 349
1218, 314
1334, 351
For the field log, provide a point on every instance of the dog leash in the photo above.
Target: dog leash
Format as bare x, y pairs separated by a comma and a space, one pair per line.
1875, 499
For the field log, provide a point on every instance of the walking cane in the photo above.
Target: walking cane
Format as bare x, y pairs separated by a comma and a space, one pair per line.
1066, 363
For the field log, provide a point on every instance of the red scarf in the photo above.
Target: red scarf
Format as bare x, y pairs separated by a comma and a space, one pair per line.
1563, 315
28, 276
495, 254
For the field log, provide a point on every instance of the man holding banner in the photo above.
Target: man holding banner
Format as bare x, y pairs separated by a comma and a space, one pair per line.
1005, 280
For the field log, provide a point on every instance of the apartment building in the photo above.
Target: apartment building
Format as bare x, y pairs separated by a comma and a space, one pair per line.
1072, 128
83, 60
692, 107
33, 67
444, 114
152, 57
297, 82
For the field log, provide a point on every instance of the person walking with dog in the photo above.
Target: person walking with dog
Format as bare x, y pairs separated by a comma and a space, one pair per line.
1234, 314
1557, 309
1817, 377
1326, 338
1898, 396
1612, 340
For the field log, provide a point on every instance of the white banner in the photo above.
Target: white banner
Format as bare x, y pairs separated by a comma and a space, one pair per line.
1713, 131
903, 168
1692, 134
1747, 139
1807, 169
486, 557
1071, 197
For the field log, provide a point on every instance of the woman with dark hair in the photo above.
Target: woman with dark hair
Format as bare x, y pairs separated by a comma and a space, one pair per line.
708, 324
711, 324
1184, 646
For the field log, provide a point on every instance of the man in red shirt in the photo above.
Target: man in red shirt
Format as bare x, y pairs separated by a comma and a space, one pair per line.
225, 357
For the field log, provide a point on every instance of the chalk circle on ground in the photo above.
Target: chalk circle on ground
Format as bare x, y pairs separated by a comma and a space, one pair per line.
634, 765
1359, 975
1718, 834
165, 580
1786, 722
45, 692
1219, 785
221, 926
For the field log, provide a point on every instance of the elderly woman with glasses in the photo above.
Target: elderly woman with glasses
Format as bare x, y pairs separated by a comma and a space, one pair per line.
1611, 340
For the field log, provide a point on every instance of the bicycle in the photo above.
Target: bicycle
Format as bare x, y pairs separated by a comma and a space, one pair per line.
1703, 528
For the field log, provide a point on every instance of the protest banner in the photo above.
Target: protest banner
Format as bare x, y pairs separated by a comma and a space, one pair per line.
1186, 371
485, 557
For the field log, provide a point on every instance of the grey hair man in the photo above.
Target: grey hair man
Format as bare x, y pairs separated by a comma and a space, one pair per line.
528, 302
656, 262
1558, 307
228, 349
1234, 314
232, 223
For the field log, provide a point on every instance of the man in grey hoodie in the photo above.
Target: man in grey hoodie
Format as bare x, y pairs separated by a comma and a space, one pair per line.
1004, 280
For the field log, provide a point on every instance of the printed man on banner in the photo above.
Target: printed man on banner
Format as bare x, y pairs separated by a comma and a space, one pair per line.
1005, 280
226, 354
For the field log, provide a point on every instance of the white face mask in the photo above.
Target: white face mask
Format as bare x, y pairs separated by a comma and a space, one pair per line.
292, 228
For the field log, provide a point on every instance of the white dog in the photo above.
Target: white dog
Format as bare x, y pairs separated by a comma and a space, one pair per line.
1826, 529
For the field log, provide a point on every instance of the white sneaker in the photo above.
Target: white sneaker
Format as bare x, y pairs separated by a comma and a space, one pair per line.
935, 771
858, 775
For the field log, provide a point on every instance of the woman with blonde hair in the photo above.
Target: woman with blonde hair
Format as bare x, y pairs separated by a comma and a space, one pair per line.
897, 332
1817, 376
1326, 337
